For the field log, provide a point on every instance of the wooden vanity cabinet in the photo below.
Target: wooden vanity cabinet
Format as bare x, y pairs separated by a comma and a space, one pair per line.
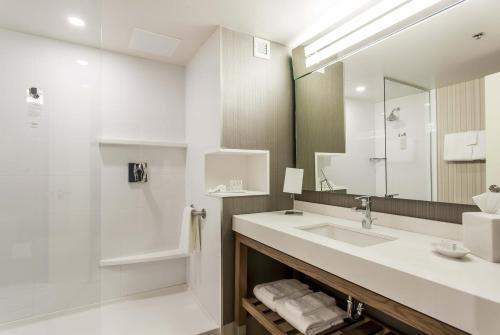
271, 321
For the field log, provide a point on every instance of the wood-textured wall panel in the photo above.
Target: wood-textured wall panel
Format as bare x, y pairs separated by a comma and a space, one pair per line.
258, 102
320, 121
460, 107
258, 113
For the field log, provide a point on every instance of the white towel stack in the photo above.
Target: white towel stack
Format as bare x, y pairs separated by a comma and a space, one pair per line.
311, 314
307, 304
271, 293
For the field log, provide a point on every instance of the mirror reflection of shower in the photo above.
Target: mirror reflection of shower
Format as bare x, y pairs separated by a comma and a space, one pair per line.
407, 141
393, 116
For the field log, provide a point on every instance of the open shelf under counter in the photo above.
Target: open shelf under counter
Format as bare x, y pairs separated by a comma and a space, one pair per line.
140, 142
145, 258
275, 324
249, 166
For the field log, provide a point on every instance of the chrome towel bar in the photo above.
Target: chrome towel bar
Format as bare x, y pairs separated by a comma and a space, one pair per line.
202, 213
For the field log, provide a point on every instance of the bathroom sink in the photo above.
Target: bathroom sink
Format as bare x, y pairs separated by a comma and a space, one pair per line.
352, 236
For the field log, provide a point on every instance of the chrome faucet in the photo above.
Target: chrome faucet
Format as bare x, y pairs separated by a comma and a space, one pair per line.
366, 209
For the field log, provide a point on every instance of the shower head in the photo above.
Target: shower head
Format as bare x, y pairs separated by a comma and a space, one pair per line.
393, 117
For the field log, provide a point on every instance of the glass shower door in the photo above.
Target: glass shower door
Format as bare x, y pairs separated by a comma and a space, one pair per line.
407, 122
49, 162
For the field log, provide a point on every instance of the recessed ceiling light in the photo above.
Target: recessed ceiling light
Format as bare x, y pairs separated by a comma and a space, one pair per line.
360, 89
82, 62
76, 21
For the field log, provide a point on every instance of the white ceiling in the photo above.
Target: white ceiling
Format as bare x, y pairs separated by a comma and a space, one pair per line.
48, 18
191, 21
438, 52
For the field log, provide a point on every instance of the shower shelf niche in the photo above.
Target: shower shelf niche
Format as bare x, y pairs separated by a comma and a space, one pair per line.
140, 142
249, 166
145, 258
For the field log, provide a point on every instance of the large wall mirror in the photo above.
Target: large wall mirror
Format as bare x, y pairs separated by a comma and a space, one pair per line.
415, 116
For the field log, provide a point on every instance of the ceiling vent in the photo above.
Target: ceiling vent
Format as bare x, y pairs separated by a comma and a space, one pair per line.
152, 43
261, 48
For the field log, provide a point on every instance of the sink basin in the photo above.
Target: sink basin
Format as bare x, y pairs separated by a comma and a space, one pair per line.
348, 235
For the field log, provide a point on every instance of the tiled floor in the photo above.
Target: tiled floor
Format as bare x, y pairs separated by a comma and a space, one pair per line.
172, 312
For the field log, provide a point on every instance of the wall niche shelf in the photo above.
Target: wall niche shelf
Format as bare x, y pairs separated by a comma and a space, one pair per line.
145, 258
140, 142
250, 166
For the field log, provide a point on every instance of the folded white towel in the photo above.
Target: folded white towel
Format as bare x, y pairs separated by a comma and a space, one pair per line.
270, 293
297, 294
458, 146
479, 149
284, 287
308, 304
320, 320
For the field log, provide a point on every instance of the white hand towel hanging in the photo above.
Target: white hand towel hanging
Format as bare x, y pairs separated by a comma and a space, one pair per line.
479, 149
190, 241
196, 234
459, 146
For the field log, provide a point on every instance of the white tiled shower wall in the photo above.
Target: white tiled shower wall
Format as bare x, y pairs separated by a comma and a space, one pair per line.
56, 182
141, 99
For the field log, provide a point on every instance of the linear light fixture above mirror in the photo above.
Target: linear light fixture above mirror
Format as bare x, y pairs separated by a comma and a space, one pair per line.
371, 22
333, 15
355, 23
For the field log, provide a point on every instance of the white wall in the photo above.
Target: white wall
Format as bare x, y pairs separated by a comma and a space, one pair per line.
203, 129
492, 110
141, 99
360, 143
49, 222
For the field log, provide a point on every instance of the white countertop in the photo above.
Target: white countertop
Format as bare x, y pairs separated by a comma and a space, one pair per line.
463, 293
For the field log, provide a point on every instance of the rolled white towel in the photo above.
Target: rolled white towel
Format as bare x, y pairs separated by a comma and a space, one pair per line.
309, 303
320, 320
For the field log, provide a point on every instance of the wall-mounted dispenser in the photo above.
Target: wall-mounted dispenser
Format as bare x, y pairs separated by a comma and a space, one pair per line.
137, 172
34, 100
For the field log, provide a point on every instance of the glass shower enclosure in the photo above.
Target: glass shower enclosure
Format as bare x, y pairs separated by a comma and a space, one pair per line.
408, 127
49, 166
